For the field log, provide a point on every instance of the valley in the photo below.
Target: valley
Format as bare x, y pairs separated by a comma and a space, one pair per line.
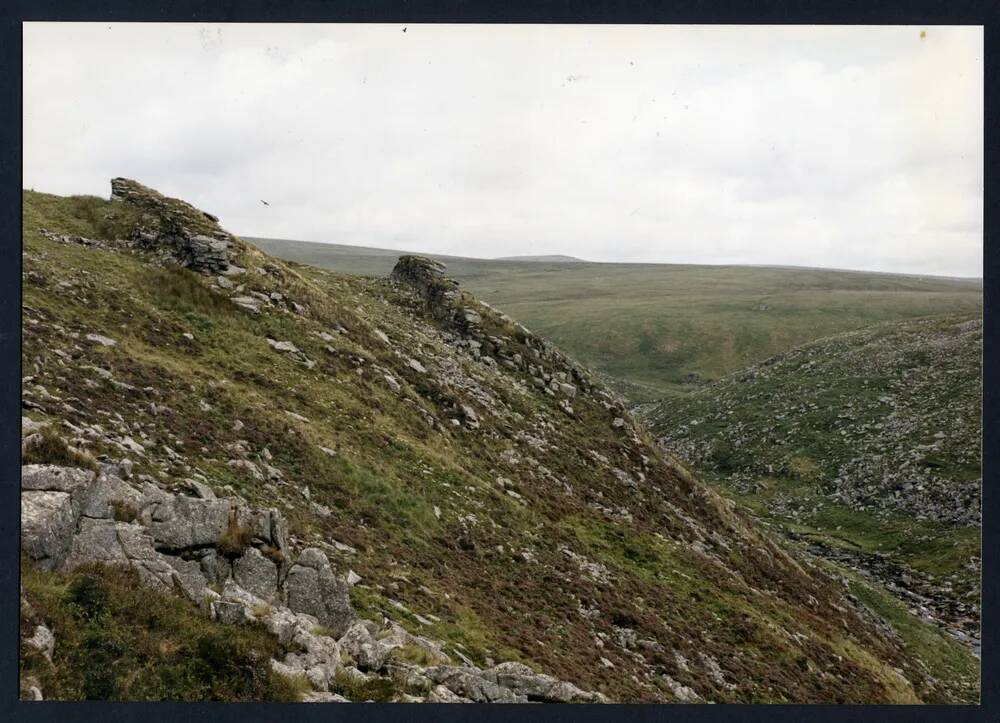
832, 444
387, 489
864, 447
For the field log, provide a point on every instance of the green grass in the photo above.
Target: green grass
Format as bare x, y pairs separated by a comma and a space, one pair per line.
945, 658
648, 326
376, 690
87, 216
942, 550
51, 448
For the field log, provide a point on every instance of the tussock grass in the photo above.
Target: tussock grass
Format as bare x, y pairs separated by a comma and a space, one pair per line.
50, 448
175, 289
124, 512
236, 539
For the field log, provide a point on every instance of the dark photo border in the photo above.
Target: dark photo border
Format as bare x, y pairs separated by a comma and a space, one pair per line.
892, 12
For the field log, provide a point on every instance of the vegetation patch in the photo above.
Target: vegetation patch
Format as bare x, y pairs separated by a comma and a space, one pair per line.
236, 539
119, 640
48, 447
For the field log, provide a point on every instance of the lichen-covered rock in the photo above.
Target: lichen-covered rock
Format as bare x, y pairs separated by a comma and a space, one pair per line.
97, 541
424, 275
395, 636
312, 588
441, 694
47, 526
126, 544
229, 612
30, 426
109, 496
366, 652
324, 697
247, 303
468, 682
257, 574
178, 522
50, 477
537, 686
285, 624
189, 577
43, 641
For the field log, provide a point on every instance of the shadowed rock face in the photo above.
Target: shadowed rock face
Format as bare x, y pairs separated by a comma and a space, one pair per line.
427, 278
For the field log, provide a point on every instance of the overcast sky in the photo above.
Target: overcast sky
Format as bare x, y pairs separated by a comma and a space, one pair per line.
840, 147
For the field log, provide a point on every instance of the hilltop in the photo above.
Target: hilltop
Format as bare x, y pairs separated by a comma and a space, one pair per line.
865, 445
380, 489
657, 330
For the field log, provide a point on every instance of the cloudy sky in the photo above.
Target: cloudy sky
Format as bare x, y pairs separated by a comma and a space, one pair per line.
822, 146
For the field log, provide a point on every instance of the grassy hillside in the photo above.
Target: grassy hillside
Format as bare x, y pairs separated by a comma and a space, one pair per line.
866, 445
658, 329
490, 495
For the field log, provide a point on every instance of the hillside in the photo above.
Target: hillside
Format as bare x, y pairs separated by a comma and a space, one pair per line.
655, 330
866, 445
385, 490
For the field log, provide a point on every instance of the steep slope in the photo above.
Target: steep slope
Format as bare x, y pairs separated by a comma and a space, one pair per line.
482, 500
657, 330
865, 444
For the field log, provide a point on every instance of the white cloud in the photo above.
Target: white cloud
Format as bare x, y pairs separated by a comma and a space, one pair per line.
835, 146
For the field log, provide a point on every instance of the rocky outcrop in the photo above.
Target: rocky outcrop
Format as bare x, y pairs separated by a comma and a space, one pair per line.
426, 276
49, 512
484, 440
201, 544
493, 337
192, 237
74, 516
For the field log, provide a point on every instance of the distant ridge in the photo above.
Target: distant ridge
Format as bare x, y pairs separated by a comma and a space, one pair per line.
543, 258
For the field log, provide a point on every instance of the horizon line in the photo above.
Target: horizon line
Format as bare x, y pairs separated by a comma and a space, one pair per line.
526, 258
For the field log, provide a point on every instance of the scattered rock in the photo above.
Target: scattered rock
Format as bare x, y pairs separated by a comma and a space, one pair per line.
246, 303
101, 340
43, 641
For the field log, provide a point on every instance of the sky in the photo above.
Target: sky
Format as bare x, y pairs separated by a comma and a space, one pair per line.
843, 147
